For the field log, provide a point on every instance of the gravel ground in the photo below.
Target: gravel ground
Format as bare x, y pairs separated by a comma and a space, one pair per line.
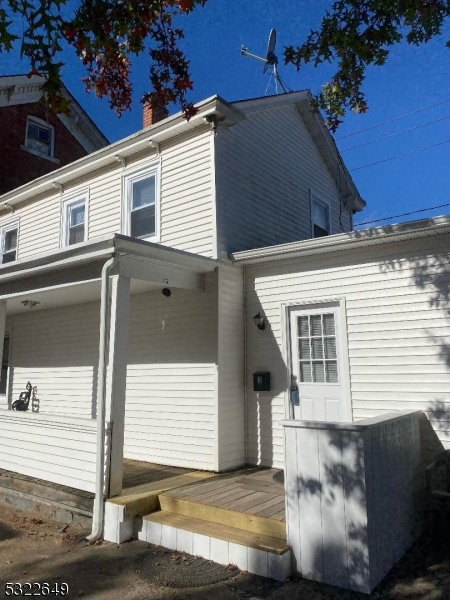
36, 550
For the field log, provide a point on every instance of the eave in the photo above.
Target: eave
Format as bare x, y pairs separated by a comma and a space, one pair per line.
346, 242
129, 146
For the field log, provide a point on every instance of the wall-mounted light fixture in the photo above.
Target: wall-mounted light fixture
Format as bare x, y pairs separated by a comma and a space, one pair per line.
30, 303
260, 321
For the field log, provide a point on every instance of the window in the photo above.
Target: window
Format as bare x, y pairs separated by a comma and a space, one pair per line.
74, 219
5, 366
10, 237
317, 348
39, 137
141, 203
320, 217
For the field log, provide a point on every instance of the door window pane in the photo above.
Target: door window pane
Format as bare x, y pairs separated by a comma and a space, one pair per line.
332, 373
316, 325
305, 372
303, 326
303, 349
317, 348
317, 351
328, 324
318, 372
330, 348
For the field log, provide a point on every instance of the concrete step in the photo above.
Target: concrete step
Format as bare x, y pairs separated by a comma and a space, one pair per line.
253, 552
223, 516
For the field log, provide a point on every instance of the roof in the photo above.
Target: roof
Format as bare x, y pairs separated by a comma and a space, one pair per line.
349, 242
137, 142
21, 89
228, 114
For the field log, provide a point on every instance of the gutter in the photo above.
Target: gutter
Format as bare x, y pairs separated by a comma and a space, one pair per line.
346, 241
162, 131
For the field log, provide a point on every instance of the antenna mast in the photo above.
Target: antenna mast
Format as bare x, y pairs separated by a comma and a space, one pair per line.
271, 60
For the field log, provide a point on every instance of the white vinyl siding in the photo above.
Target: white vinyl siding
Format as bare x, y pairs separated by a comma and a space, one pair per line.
186, 200
265, 168
63, 452
398, 333
170, 398
231, 377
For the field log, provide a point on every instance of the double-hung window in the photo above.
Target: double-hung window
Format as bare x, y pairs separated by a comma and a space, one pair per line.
141, 203
74, 219
9, 241
320, 217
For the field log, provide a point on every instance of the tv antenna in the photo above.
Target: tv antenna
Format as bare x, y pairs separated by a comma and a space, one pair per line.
271, 60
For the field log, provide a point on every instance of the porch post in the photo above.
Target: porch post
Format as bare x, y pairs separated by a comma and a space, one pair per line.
117, 365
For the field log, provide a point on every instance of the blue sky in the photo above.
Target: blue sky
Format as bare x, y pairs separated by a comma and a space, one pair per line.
413, 78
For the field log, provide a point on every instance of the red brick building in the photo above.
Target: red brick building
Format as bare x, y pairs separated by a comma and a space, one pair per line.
34, 142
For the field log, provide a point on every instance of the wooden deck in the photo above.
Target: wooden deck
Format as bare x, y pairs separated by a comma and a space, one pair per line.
253, 493
137, 473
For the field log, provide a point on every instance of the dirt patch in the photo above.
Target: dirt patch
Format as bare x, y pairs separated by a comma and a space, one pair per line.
33, 549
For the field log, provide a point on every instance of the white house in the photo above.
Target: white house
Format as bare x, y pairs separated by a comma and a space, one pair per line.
170, 247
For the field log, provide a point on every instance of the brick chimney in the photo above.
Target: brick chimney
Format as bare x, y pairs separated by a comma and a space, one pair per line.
153, 114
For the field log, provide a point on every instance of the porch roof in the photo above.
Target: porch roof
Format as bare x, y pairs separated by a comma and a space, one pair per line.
72, 275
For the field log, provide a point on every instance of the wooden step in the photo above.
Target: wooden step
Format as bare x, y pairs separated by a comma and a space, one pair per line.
143, 499
224, 517
234, 535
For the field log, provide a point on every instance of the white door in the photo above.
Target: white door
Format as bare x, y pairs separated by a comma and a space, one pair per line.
320, 364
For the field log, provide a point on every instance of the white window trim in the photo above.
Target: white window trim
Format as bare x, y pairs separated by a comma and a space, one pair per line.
128, 177
68, 201
313, 197
40, 122
13, 224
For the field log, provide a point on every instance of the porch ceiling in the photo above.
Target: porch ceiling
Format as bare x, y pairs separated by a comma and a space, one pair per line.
76, 293
73, 275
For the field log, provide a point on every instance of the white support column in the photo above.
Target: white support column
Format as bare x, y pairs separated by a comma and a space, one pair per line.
117, 376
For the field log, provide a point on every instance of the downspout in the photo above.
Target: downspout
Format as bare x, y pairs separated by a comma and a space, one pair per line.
97, 519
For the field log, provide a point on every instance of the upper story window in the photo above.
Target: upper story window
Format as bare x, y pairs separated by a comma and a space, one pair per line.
74, 219
141, 203
39, 137
320, 217
9, 241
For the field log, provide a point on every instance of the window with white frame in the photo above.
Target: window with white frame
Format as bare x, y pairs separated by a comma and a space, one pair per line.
9, 241
74, 219
4, 375
320, 217
39, 137
141, 203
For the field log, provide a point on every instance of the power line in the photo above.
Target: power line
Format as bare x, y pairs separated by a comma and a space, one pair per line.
412, 212
385, 137
414, 112
379, 162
